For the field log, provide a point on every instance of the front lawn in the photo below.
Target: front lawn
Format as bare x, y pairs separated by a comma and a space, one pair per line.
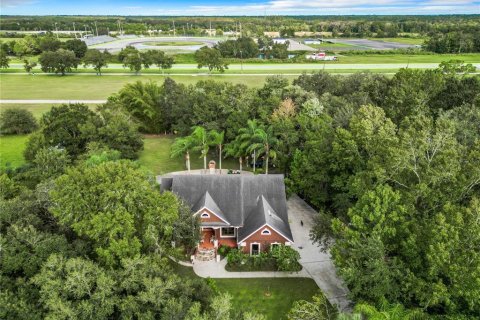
272, 297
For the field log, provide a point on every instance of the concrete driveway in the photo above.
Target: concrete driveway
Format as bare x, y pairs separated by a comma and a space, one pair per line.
317, 264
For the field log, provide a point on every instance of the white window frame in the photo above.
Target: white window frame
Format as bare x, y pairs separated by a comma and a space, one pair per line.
274, 244
228, 236
266, 234
259, 248
204, 215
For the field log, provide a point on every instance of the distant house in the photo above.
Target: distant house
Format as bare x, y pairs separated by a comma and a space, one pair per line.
272, 34
248, 212
279, 40
312, 41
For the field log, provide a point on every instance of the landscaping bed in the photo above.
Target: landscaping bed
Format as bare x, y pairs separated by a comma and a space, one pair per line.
279, 258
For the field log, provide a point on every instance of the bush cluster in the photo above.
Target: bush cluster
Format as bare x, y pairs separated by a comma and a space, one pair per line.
17, 121
278, 258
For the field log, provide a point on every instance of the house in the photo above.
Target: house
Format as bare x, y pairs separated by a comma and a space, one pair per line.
244, 211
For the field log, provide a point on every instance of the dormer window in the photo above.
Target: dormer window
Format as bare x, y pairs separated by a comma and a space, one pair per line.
205, 215
266, 232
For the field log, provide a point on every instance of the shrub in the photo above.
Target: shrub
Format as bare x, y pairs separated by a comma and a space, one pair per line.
224, 250
17, 121
236, 257
287, 258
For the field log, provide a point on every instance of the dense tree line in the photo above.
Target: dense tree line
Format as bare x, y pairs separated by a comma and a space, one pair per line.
454, 42
348, 26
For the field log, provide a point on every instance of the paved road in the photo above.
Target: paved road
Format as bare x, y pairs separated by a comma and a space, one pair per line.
373, 44
139, 43
316, 263
50, 101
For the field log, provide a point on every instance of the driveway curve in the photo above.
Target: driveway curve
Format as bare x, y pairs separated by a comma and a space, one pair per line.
316, 264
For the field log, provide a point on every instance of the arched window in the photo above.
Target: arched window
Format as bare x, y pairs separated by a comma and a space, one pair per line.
205, 215
266, 232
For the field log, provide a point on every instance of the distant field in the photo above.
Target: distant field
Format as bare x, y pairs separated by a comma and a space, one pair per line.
11, 150
92, 87
404, 58
331, 46
173, 43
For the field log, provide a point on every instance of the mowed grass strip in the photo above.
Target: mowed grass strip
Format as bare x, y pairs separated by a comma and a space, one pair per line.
92, 87
156, 156
272, 297
11, 150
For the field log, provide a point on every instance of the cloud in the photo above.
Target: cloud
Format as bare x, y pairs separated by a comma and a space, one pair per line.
15, 3
337, 7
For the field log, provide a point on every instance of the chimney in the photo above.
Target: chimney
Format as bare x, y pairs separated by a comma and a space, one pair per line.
211, 166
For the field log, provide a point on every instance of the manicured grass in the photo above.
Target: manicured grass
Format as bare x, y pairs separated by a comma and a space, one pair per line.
273, 297
173, 43
404, 58
156, 157
11, 150
92, 87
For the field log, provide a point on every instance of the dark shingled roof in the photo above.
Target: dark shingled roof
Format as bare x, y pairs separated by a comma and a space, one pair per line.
263, 214
245, 201
206, 201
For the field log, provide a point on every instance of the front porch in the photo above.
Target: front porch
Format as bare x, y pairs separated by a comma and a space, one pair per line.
211, 240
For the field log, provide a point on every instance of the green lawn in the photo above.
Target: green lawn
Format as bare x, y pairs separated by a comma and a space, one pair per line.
92, 87
156, 157
11, 150
404, 58
273, 297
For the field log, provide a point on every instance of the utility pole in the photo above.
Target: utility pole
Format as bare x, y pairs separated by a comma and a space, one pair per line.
74, 32
210, 30
184, 31
96, 29
56, 29
174, 28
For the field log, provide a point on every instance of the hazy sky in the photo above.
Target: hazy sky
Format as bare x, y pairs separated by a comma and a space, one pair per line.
236, 7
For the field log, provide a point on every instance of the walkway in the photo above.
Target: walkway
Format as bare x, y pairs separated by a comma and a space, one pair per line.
215, 269
317, 264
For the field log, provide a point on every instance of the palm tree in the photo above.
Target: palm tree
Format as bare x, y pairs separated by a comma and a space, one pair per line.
387, 311
264, 142
217, 138
233, 149
200, 138
181, 146
246, 138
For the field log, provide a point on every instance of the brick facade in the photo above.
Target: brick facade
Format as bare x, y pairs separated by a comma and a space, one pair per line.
213, 217
264, 240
